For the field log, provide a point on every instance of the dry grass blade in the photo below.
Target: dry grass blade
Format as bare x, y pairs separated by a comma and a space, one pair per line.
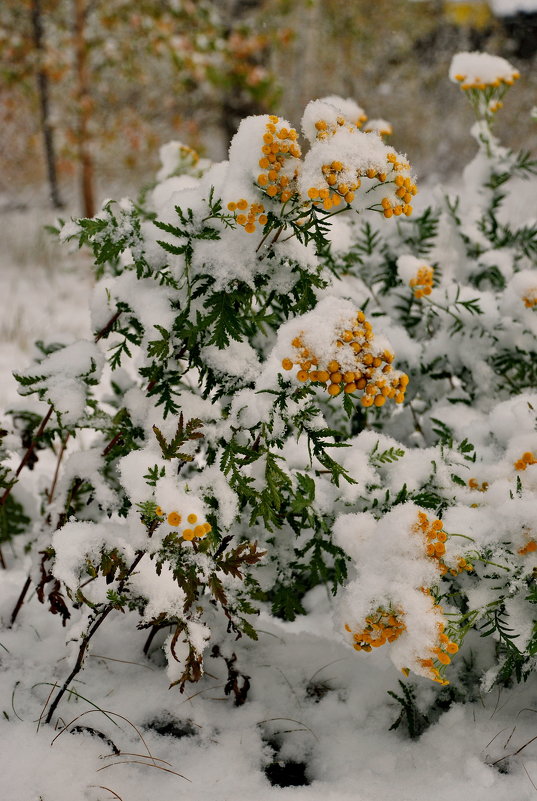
147, 765
292, 720
286, 680
40, 718
141, 756
206, 690
74, 692
528, 775
108, 713
507, 756
341, 659
123, 661
108, 790
497, 735
13, 701
525, 709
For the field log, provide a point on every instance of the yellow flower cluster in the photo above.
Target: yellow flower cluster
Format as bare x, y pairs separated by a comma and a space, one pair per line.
530, 298
433, 531
370, 373
175, 519
476, 83
336, 188
384, 625
422, 283
248, 220
525, 460
188, 156
279, 145
340, 183
326, 129
405, 190
441, 653
473, 483
435, 538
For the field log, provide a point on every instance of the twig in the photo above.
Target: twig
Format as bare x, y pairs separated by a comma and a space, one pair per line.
108, 327
2, 561
28, 453
111, 444
20, 600
86, 639
278, 232
57, 470
154, 629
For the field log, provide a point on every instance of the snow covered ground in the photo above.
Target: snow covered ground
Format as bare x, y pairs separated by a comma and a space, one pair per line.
317, 716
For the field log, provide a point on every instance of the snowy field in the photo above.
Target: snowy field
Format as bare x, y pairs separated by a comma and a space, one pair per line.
297, 714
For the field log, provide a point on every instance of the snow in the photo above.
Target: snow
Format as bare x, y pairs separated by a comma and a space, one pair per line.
60, 374
481, 68
505, 8
342, 734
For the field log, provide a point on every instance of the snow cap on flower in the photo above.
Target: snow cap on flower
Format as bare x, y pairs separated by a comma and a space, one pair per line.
416, 273
263, 152
178, 159
477, 70
388, 600
379, 126
343, 159
335, 347
322, 118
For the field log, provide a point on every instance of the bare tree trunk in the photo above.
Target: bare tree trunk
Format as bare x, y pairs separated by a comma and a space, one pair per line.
235, 105
44, 105
83, 110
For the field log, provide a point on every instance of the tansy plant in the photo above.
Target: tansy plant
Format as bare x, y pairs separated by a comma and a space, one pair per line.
293, 382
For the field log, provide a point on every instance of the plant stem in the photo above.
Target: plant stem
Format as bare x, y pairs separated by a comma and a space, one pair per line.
154, 630
57, 470
28, 453
20, 600
106, 329
86, 640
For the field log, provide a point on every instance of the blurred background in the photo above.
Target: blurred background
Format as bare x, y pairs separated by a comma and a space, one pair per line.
90, 89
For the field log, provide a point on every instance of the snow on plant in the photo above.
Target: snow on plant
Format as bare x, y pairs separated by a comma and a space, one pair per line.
343, 159
485, 78
380, 126
239, 449
340, 344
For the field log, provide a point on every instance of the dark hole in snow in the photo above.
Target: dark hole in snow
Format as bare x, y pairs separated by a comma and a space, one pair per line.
172, 727
287, 774
316, 691
284, 772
